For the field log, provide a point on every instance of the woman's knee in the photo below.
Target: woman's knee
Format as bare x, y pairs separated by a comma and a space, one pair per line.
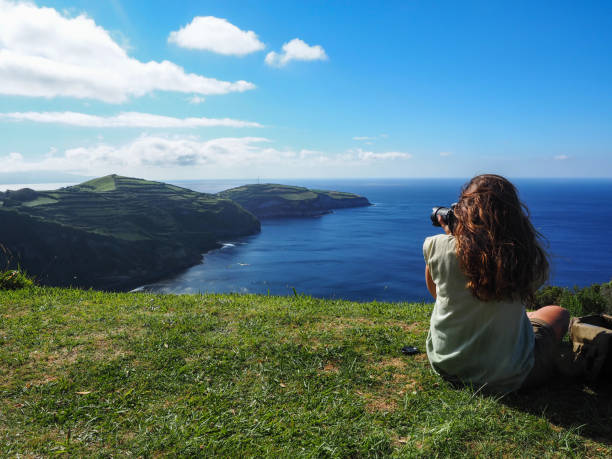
556, 316
552, 311
560, 314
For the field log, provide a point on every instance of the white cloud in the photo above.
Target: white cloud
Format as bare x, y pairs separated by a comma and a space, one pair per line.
163, 153
445, 153
389, 155
126, 119
52, 151
44, 53
296, 50
561, 157
196, 100
151, 151
216, 35
14, 157
365, 137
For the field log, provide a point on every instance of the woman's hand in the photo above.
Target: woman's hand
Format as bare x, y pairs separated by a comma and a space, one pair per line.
443, 225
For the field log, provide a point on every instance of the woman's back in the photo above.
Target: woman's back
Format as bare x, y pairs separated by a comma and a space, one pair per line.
481, 276
483, 343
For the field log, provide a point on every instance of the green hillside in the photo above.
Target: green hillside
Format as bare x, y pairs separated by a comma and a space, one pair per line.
115, 232
272, 200
85, 373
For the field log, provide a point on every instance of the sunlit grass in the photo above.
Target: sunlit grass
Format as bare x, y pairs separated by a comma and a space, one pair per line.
92, 373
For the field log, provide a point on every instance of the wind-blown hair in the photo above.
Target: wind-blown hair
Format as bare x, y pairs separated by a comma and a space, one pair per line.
497, 246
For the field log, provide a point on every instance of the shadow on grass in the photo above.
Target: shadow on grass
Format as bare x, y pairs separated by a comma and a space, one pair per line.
570, 403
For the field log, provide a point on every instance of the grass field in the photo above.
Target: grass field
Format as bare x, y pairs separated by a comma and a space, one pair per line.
86, 373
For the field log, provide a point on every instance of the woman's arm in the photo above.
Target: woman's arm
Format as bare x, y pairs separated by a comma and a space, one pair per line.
431, 286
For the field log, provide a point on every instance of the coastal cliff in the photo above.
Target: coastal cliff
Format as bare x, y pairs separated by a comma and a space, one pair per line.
277, 201
114, 232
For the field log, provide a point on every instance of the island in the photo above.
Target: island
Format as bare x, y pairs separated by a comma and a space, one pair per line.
281, 201
113, 232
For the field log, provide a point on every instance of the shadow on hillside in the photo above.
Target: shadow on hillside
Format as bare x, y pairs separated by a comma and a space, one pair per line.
570, 403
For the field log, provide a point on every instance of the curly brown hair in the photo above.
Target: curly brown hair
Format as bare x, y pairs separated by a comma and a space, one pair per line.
497, 246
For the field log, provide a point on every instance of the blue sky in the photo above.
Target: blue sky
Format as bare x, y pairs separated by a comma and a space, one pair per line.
225, 89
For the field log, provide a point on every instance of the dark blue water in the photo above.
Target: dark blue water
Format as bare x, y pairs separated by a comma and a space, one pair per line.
374, 253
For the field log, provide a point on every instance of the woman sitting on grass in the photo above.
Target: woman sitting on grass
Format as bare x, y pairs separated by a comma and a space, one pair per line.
481, 276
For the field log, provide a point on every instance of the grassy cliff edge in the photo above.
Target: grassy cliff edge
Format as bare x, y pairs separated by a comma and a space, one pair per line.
92, 373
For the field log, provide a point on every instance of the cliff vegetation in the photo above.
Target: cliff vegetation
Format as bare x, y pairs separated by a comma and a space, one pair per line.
277, 201
114, 232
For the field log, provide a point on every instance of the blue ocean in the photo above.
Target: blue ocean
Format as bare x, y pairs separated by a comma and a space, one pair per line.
375, 253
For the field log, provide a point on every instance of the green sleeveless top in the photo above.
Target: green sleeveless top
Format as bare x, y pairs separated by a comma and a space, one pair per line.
480, 343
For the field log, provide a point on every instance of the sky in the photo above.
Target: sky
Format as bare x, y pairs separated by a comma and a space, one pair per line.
312, 89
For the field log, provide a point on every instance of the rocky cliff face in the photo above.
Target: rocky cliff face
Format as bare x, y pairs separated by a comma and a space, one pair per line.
59, 255
278, 201
114, 232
